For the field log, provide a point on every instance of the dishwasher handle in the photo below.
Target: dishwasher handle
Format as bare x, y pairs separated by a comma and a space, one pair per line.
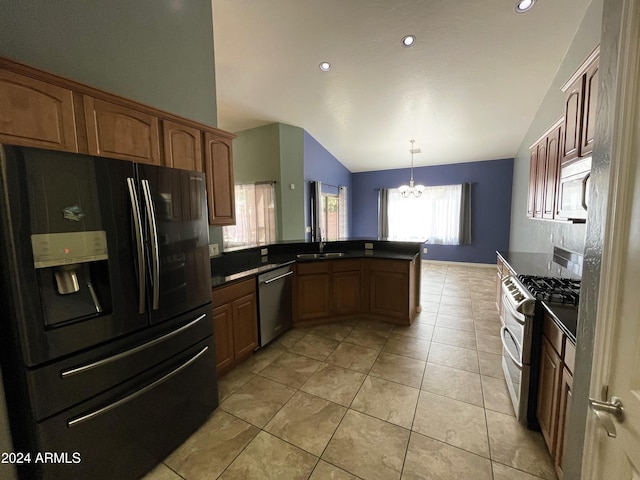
266, 282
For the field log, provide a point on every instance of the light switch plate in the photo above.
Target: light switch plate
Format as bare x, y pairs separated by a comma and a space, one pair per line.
214, 249
264, 251
368, 246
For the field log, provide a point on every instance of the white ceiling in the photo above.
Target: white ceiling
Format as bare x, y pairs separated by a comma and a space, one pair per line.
467, 91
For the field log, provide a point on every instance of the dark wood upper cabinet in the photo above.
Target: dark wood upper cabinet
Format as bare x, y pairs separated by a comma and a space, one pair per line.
541, 175
36, 114
552, 172
121, 132
218, 164
533, 165
182, 146
572, 120
544, 173
589, 111
581, 98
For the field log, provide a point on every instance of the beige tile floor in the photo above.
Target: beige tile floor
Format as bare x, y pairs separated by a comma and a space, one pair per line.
374, 401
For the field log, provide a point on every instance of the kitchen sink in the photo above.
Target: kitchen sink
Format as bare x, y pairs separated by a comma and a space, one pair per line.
311, 256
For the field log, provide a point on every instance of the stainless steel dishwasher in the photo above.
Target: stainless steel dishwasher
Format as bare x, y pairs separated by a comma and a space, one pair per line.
274, 301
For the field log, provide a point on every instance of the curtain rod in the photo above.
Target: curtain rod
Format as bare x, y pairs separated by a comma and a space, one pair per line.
328, 184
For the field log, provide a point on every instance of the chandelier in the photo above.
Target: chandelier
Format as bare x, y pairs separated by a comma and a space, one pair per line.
411, 190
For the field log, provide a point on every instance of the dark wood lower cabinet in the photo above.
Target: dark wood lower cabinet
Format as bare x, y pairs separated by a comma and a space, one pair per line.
235, 320
554, 389
223, 333
330, 289
548, 387
312, 291
347, 287
564, 410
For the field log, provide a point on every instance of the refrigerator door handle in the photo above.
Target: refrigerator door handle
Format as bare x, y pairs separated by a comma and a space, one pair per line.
155, 257
137, 224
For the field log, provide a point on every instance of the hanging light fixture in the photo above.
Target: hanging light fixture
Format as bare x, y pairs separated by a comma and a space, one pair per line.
411, 189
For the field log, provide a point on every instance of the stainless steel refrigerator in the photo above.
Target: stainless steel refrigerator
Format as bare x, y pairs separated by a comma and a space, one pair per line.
106, 337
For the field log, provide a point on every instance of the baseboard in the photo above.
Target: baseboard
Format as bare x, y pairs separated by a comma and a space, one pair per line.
459, 264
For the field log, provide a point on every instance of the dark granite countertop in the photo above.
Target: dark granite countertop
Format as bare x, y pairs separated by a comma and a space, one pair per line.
238, 265
538, 264
545, 265
565, 316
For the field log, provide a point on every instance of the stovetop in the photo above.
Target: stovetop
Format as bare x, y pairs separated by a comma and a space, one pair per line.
553, 289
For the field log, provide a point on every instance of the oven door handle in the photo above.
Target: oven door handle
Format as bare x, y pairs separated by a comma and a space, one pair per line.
503, 331
518, 317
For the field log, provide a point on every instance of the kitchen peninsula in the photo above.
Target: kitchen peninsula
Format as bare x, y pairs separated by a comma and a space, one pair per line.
361, 278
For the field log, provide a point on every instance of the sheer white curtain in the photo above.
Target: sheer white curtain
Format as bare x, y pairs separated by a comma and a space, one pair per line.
342, 213
435, 216
255, 216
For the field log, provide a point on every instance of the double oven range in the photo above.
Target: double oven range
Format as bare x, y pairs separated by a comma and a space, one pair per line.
521, 313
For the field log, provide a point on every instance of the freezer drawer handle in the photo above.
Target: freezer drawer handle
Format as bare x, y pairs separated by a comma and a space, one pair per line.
135, 208
128, 398
503, 332
153, 229
266, 282
139, 348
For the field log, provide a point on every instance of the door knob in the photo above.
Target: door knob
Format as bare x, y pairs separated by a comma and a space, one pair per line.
604, 411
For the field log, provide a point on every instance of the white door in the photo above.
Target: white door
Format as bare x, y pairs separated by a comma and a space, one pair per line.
616, 364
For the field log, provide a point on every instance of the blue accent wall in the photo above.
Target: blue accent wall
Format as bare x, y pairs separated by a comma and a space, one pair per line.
490, 205
320, 165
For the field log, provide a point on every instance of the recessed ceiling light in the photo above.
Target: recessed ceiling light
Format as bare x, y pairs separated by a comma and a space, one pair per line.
524, 5
408, 40
325, 66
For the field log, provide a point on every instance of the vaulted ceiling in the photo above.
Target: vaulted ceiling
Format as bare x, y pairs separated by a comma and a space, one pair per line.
466, 91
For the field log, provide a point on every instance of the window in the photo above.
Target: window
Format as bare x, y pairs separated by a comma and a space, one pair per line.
440, 215
334, 207
255, 216
330, 216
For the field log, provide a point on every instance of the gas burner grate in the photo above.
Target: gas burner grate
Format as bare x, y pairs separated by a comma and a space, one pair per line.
553, 289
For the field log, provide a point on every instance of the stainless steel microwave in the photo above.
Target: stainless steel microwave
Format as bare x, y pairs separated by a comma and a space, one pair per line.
573, 190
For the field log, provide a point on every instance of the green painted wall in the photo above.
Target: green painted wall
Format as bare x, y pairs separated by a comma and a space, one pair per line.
158, 52
256, 154
292, 173
275, 152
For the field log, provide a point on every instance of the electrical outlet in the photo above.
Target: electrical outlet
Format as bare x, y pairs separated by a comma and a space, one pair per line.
264, 251
214, 250
307, 229
424, 250
368, 246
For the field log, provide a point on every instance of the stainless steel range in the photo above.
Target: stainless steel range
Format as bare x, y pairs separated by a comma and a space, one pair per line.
517, 334
553, 289
521, 333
